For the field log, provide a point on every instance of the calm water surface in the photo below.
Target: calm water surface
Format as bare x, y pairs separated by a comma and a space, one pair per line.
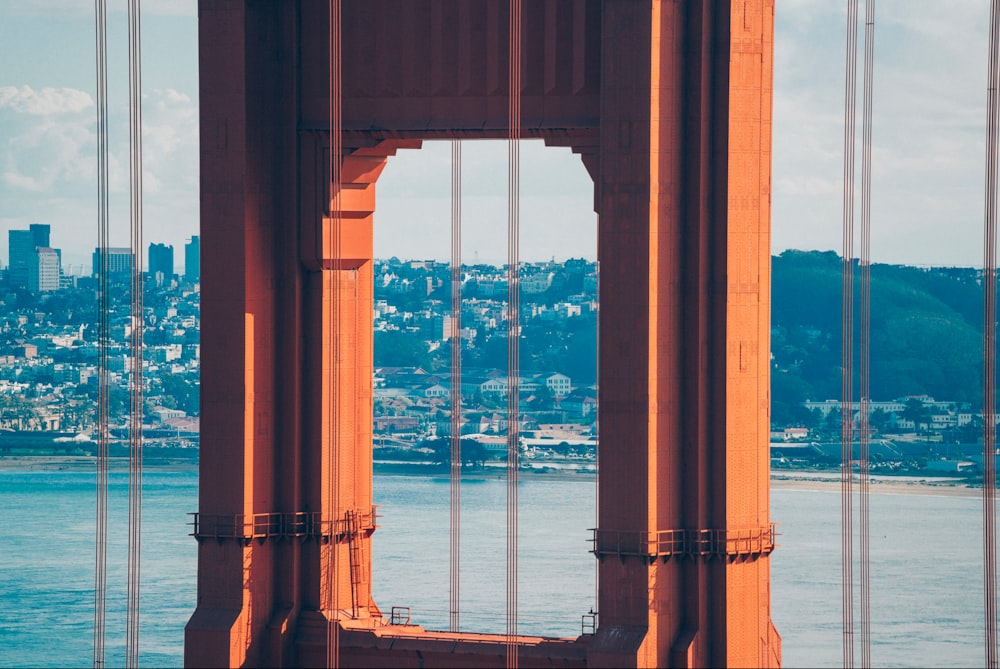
926, 567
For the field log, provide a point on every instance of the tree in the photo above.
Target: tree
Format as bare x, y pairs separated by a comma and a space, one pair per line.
544, 398
473, 454
441, 448
971, 432
788, 391
580, 362
916, 411
184, 390
396, 348
831, 423
879, 420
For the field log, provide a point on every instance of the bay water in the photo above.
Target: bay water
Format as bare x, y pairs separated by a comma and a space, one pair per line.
926, 566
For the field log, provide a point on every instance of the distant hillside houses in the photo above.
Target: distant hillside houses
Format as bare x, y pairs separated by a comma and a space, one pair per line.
49, 350
892, 406
491, 383
49, 354
413, 296
905, 414
557, 384
411, 403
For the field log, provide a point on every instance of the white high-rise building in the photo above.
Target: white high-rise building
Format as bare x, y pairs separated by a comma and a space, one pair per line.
43, 270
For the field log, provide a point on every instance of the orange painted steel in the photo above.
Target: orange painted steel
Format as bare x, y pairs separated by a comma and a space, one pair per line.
669, 106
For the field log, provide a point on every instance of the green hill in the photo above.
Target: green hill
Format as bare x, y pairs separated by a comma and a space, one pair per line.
926, 332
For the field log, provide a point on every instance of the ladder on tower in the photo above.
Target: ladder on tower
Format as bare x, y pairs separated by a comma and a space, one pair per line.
356, 553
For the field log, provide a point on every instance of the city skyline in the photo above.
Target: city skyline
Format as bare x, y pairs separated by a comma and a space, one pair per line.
928, 153
156, 255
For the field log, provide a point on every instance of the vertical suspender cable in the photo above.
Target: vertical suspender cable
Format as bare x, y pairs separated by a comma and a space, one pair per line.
865, 332
513, 320
103, 326
597, 446
332, 250
989, 343
455, 333
136, 336
847, 334
356, 560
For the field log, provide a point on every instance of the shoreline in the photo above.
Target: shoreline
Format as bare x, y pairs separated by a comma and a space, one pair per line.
889, 485
806, 480
83, 463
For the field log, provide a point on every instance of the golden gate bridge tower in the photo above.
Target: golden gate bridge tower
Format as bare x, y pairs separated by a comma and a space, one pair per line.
668, 104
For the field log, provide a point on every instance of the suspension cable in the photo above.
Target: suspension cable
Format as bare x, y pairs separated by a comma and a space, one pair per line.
989, 343
332, 280
865, 335
597, 445
847, 343
513, 321
136, 335
103, 332
455, 333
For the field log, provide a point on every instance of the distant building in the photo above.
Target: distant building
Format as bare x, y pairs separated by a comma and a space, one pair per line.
436, 390
43, 271
192, 260
40, 233
161, 263
26, 351
164, 414
559, 385
119, 263
21, 245
537, 283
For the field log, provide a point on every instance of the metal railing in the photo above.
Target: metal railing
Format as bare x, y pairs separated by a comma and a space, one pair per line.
731, 543
283, 525
399, 615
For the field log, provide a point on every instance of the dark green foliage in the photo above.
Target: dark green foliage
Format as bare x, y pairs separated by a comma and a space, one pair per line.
926, 332
183, 390
473, 453
396, 348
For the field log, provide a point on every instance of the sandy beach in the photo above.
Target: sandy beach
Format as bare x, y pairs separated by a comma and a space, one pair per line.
891, 485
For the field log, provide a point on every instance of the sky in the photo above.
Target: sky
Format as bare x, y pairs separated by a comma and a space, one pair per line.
928, 156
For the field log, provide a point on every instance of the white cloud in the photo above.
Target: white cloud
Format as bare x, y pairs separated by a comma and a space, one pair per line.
48, 138
45, 102
21, 181
806, 185
170, 138
928, 142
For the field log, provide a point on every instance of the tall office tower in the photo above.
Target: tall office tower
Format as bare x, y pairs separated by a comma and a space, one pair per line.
40, 234
44, 271
161, 263
192, 260
21, 248
119, 263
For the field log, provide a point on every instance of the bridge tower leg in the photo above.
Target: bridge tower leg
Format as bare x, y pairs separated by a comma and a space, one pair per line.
270, 285
684, 250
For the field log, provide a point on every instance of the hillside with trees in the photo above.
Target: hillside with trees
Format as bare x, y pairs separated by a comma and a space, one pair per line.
926, 332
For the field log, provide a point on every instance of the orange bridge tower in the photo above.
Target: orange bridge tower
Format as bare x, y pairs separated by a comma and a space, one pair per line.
668, 104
